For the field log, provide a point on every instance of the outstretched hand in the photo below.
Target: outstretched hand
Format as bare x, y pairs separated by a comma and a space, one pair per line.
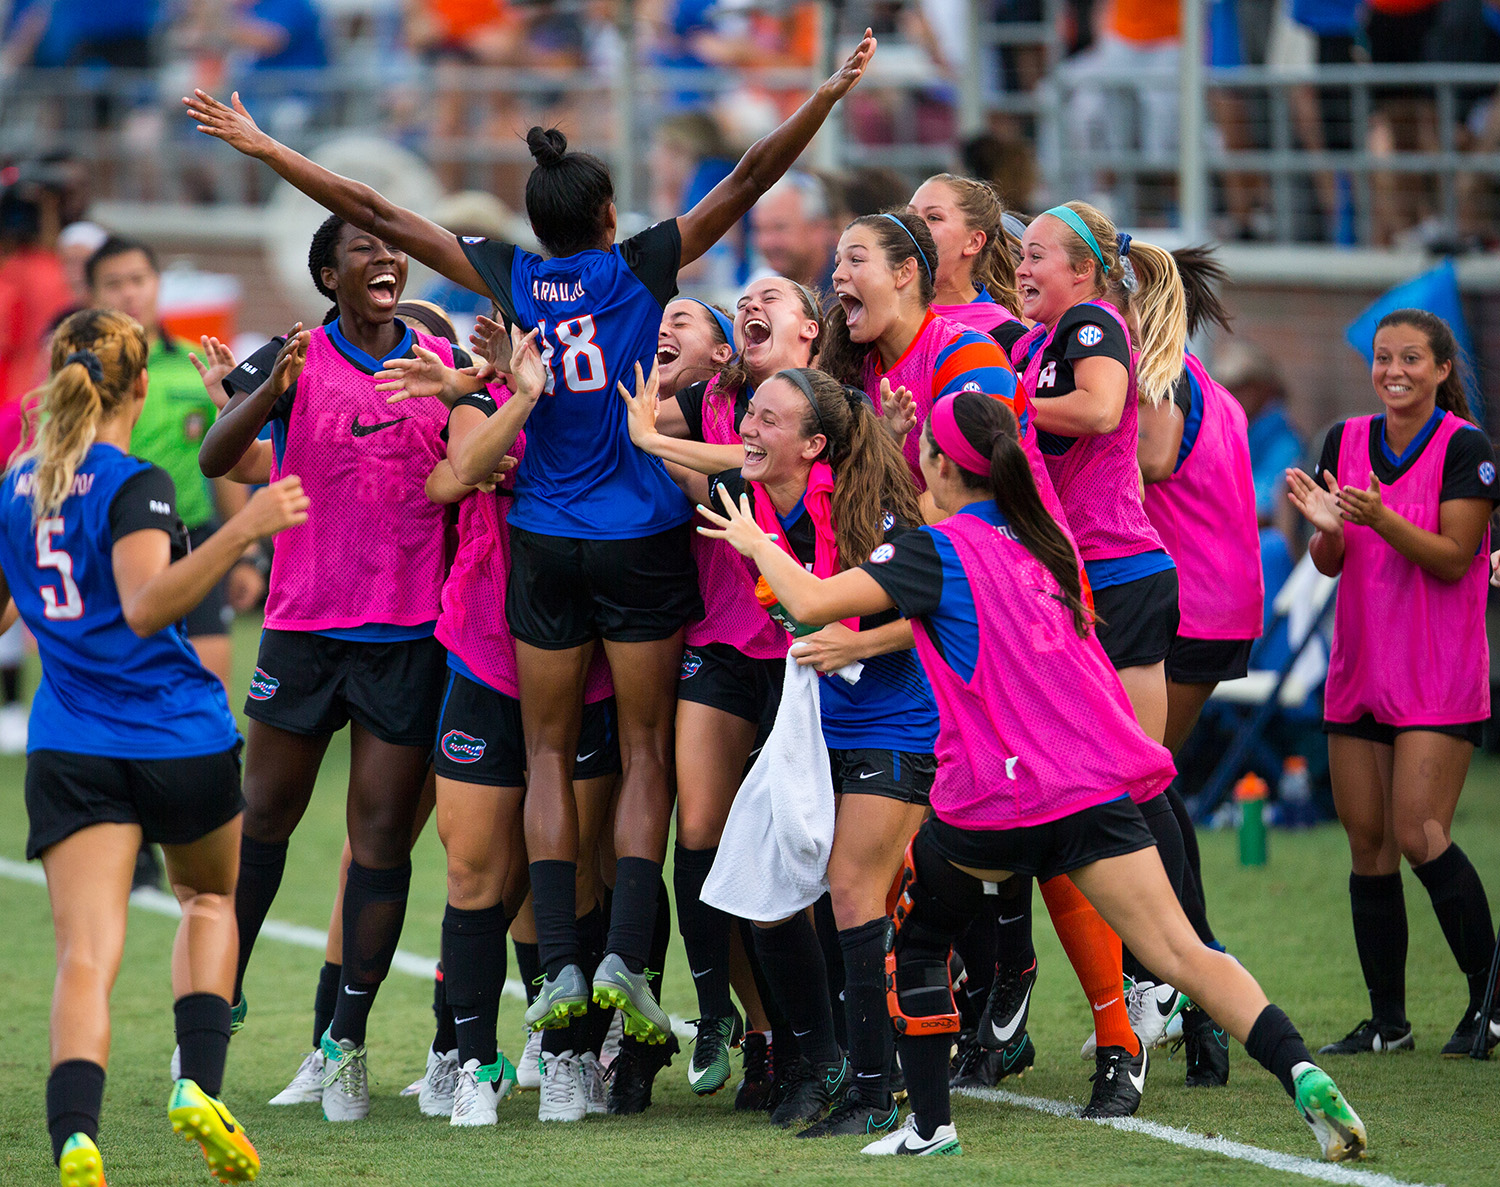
898, 408
644, 405
289, 360
220, 364
529, 373
422, 377
737, 524
1364, 507
492, 343
853, 69
1319, 504
233, 125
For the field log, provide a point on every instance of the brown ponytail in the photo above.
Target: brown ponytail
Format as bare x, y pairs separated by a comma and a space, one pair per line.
873, 479
991, 428
97, 355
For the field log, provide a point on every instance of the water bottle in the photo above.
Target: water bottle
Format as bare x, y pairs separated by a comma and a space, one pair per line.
1250, 795
1295, 793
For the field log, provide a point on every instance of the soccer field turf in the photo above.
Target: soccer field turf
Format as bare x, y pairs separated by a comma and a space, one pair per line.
1430, 1120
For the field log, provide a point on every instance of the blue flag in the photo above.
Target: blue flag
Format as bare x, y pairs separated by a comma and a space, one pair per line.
1437, 292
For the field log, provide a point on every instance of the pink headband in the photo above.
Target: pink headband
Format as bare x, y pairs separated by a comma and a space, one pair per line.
951, 440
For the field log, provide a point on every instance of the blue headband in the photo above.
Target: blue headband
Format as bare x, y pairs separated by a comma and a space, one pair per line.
1070, 216
921, 255
725, 323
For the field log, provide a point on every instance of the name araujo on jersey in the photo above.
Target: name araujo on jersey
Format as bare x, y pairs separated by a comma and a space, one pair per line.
82, 483
551, 290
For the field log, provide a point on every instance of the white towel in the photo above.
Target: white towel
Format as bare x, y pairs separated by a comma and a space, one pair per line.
773, 856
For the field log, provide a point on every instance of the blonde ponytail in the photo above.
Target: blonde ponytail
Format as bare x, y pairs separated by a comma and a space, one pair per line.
1159, 304
97, 356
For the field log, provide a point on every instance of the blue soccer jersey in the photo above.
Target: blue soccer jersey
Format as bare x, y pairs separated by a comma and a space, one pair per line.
105, 690
597, 313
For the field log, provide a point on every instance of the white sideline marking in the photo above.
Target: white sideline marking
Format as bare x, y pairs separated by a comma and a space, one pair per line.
158, 902
1328, 1172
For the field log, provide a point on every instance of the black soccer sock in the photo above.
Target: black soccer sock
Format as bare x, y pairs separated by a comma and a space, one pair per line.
1194, 901
554, 898
1463, 911
634, 910
202, 1022
261, 865
1157, 812
924, 1062
781, 1036
976, 948
10, 686
473, 976
871, 1038
1014, 951
593, 1027
833, 960
445, 1036
793, 962
330, 977
1379, 908
374, 910
1275, 1044
661, 937
75, 1092
528, 968
705, 931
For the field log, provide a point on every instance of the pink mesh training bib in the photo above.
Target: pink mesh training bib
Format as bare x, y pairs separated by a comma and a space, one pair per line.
1098, 479
726, 580
983, 316
1205, 516
372, 547
1043, 728
1407, 646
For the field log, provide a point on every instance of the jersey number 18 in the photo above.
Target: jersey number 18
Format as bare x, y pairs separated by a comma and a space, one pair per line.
582, 360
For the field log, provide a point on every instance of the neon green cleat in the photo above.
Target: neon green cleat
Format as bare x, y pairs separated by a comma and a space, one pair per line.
1336, 1126
630, 993
80, 1164
562, 998
202, 1119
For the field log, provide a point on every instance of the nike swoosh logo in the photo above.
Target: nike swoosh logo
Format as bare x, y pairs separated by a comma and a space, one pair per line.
1138, 1082
228, 1124
462, 1021
1003, 920
1004, 1034
1106, 1005
357, 992
704, 973
694, 1075
586, 757
1165, 1008
871, 775
360, 430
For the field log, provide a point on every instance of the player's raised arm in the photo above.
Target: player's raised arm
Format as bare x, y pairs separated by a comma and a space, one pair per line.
767, 160
353, 201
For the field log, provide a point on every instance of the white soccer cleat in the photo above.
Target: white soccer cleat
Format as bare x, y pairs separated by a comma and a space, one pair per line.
563, 1095
435, 1097
479, 1090
906, 1140
346, 1081
1152, 1008
529, 1070
613, 1037
595, 1084
306, 1087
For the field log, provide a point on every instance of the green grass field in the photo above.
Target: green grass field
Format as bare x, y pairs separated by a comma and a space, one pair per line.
1430, 1120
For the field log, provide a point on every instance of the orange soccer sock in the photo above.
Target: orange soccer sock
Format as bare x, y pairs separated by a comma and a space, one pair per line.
1094, 949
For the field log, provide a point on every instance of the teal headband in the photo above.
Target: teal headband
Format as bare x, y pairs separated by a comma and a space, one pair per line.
921, 255
1070, 216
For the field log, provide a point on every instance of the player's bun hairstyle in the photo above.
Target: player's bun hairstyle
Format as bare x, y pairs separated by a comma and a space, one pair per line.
901, 236
323, 254
736, 375
1202, 277
1159, 302
872, 477
994, 268
990, 427
429, 316
1451, 393
97, 355
568, 195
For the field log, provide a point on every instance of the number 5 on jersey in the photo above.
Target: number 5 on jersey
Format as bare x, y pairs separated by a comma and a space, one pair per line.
582, 360
49, 558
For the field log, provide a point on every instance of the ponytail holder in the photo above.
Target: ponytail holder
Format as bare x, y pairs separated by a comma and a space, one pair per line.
1122, 244
90, 362
1070, 216
951, 440
921, 255
856, 396
1128, 279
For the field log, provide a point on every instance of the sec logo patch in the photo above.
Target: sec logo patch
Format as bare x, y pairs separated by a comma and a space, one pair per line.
882, 554
1486, 472
1090, 336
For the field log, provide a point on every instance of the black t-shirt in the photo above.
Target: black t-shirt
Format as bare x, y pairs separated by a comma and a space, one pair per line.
1083, 332
690, 400
1468, 465
148, 500
1008, 333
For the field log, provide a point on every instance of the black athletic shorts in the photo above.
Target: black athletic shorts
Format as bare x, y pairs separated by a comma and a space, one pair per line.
208, 616
1138, 620
307, 683
564, 592
1046, 850
722, 678
1371, 730
480, 740
1207, 661
895, 774
175, 800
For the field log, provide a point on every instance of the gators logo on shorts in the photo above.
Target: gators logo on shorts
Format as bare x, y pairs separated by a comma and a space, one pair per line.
461, 747
262, 686
690, 664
